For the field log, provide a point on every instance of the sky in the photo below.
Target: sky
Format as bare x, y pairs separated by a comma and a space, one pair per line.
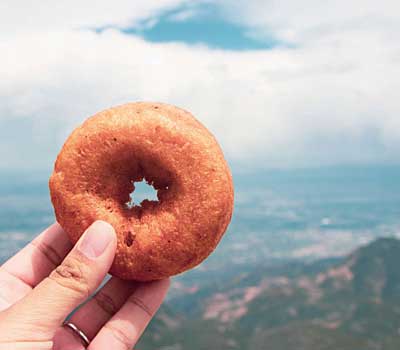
280, 83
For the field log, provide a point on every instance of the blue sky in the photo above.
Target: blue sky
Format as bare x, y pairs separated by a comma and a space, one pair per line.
204, 27
288, 84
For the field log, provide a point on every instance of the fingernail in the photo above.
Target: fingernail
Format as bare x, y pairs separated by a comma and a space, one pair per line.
96, 239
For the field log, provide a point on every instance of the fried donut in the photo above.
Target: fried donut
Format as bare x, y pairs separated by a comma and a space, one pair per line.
168, 148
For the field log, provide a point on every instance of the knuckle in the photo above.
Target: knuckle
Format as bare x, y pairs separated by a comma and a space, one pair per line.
141, 305
106, 303
71, 275
48, 251
118, 334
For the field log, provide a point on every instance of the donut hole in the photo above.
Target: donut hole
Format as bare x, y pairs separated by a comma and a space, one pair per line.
136, 182
142, 191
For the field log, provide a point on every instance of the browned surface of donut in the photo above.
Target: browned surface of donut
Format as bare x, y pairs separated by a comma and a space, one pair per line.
93, 176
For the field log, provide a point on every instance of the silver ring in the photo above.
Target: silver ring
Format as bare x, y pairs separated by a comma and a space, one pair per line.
85, 340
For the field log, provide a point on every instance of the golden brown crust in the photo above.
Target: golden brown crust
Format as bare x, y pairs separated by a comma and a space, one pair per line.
93, 176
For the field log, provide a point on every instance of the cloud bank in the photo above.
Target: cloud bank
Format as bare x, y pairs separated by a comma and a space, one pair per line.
327, 95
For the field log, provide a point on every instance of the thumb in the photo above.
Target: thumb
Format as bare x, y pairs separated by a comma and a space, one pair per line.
71, 283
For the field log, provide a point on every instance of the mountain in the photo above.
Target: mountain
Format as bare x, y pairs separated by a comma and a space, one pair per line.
351, 303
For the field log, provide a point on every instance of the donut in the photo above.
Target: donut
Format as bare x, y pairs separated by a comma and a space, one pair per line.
168, 148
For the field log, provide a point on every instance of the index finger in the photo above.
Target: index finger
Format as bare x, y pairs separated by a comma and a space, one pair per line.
33, 263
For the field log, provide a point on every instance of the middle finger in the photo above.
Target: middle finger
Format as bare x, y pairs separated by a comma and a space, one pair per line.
92, 315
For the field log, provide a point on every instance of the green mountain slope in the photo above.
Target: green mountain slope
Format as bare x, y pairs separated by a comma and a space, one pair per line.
347, 304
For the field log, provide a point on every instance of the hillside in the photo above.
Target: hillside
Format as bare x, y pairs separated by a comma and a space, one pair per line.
348, 304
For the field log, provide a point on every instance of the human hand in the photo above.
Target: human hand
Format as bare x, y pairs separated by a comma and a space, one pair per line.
39, 289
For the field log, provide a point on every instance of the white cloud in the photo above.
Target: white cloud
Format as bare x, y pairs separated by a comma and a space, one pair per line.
331, 99
184, 15
307, 21
46, 15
